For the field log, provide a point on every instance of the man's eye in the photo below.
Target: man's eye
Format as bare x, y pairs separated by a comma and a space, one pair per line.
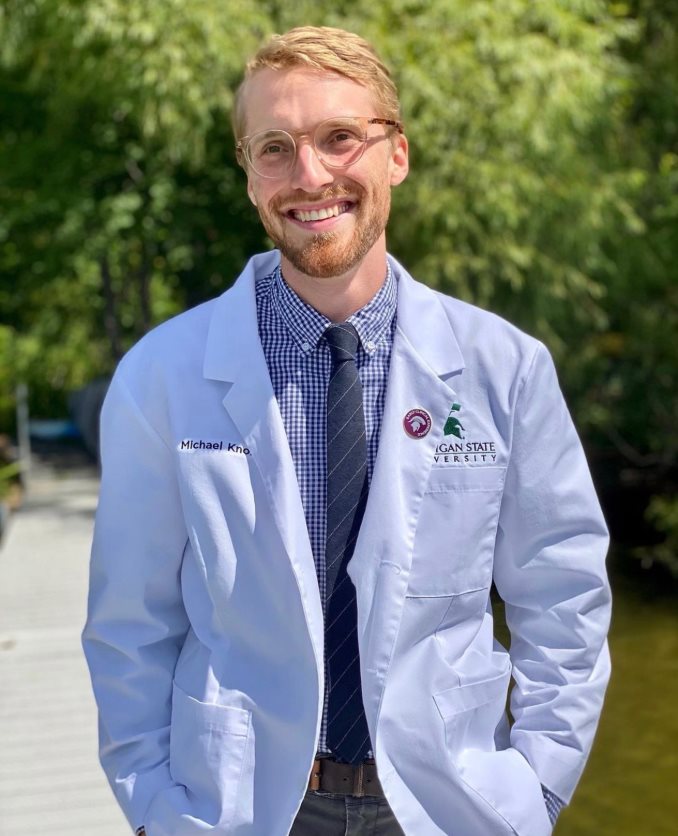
338, 137
272, 150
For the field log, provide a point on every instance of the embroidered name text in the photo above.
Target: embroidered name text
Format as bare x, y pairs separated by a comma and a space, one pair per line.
200, 444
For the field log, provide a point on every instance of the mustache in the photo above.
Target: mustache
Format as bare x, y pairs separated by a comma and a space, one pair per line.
282, 203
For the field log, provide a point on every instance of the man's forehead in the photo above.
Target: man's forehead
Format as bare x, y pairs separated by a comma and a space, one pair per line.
297, 97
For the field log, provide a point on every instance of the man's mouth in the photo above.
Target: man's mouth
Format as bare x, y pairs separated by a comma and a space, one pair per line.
320, 214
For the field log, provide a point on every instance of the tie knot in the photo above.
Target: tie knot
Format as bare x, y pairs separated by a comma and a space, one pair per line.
343, 342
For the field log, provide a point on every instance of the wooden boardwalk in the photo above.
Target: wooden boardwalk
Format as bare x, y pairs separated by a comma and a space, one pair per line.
50, 779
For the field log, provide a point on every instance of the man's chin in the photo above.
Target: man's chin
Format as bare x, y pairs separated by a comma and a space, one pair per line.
322, 257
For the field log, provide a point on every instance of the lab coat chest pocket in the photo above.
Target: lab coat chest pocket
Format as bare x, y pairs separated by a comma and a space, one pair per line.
218, 484
208, 756
454, 544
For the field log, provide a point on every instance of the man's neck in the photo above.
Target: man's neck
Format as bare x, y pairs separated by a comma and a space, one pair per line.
337, 297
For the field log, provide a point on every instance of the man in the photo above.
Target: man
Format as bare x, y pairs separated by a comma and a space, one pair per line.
309, 487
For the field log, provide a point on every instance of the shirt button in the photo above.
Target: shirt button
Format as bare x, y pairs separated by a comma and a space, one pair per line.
370, 346
306, 346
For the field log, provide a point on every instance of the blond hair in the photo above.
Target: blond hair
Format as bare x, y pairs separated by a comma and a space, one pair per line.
324, 49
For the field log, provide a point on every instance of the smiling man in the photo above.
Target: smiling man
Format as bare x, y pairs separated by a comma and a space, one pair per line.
309, 487
321, 178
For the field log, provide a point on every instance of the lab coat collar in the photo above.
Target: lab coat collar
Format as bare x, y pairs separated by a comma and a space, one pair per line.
233, 346
235, 356
425, 362
423, 322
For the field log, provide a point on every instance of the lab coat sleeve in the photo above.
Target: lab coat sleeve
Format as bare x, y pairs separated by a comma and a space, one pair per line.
136, 621
550, 571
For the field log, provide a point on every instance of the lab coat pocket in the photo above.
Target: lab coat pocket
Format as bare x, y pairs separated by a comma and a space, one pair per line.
208, 745
507, 782
472, 711
504, 780
457, 526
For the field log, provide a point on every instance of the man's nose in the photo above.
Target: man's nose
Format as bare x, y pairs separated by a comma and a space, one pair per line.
309, 173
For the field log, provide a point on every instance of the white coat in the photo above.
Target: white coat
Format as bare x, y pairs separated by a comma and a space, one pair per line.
205, 629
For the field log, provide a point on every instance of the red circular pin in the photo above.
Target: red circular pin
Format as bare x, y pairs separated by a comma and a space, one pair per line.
417, 423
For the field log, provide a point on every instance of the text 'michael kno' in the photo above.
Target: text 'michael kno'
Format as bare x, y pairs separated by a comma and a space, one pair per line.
200, 444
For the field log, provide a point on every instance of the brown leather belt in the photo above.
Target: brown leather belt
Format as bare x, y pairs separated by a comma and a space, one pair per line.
329, 776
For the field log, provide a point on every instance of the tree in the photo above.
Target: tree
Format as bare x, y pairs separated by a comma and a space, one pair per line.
120, 193
544, 180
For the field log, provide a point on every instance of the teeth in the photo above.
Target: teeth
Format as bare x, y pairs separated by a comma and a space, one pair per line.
320, 214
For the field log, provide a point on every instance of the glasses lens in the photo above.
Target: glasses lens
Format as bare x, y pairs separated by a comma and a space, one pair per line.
271, 153
340, 142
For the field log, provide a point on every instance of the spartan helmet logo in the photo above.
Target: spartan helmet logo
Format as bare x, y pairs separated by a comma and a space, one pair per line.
417, 423
453, 426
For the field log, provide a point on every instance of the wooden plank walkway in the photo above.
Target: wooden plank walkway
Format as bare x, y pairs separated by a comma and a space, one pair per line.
50, 779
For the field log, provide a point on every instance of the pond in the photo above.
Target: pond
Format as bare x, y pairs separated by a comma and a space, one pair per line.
629, 786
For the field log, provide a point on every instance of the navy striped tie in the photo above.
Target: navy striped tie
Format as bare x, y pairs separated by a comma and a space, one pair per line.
347, 734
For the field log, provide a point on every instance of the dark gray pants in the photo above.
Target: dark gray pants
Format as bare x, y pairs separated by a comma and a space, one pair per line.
329, 814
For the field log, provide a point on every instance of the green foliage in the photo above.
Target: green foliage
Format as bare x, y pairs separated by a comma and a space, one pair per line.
510, 116
625, 380
8, 476
121, 201
544, 185
662, 512
166, 68
7, 377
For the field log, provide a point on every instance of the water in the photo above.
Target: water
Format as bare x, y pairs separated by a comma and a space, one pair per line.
629, 786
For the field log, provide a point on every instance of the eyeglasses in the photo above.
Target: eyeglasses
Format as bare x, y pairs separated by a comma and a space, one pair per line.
338, 143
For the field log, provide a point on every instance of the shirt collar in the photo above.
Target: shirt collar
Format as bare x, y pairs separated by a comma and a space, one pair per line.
373, 321
306, 325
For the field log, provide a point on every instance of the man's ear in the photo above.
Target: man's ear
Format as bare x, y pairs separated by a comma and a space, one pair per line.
250, 193
399, 163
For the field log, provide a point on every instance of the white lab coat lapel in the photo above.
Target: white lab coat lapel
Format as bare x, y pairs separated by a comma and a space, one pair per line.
425, 355
234, 355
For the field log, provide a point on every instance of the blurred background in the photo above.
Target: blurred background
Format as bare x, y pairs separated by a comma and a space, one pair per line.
544, 186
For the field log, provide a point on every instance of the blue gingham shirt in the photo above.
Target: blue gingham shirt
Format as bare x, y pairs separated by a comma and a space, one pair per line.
299, 365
